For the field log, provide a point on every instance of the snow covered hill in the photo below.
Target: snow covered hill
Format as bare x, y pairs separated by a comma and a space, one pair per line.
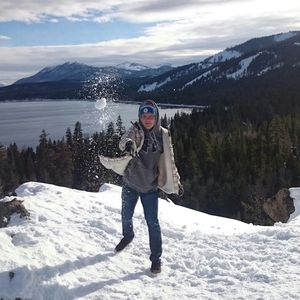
65, 250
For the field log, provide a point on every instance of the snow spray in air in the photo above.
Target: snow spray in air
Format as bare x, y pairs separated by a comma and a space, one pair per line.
102, 90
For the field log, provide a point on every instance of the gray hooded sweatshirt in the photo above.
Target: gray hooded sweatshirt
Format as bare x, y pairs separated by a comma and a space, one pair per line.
142, 173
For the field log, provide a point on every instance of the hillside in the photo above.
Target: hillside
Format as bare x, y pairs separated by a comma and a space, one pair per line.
252, 58
258, 63
65, 251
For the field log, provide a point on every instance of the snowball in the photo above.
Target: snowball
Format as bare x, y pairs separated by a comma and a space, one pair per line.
100, 104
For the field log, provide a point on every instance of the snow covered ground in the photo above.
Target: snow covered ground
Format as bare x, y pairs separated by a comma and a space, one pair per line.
65, 250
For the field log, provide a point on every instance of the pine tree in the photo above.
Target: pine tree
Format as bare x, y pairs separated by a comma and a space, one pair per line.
3, 154
120, 129
42, 170
78, 157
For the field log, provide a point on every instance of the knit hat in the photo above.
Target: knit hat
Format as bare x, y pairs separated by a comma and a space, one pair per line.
148, 107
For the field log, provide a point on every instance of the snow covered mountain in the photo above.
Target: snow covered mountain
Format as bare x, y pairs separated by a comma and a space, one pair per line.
253, 58
69, 71
136, 70
131, 66
64, 250
271, 62
73, 80
2, 84
76, 72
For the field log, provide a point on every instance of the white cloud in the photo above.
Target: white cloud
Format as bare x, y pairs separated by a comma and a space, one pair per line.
138, 10
102, 19
4, 37
36, 10
178, 31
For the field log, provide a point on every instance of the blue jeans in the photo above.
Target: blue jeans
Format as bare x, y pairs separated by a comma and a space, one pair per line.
150, 205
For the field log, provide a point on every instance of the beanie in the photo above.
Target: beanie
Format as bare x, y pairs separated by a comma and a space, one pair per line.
147, 107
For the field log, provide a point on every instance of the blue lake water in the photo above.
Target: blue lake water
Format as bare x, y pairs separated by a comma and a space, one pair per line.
23, 122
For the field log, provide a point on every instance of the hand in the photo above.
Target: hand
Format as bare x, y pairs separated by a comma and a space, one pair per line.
130, 148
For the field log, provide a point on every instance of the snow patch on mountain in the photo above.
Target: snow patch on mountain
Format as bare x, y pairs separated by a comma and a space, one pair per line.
279, 65
153, 86
284, 36
131, 66
205, 74
297, 44
244, 64
223, 56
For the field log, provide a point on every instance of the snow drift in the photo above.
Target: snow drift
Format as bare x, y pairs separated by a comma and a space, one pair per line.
65, 250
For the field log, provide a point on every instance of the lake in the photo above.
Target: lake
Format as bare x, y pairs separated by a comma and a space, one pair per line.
23, 122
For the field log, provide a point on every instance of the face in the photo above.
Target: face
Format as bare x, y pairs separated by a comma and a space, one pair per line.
148, 120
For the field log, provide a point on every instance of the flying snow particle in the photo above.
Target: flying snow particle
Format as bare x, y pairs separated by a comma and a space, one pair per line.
100, 104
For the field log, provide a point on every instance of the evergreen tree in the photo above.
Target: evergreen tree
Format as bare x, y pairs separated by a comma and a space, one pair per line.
120, 129
78, 155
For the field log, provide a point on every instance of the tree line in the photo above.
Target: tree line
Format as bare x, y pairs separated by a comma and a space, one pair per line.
228, 164
71, 162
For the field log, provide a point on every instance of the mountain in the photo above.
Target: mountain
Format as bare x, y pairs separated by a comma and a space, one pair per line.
269, 64
131, 66
133, 70
73, 80
76, 72
2, 84
253, 58
72, 72
65, 250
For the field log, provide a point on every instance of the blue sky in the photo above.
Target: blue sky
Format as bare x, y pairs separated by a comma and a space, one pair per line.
64, 32
35, 34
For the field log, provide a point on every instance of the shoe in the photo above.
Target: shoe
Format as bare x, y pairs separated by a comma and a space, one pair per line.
123, 243
156, 267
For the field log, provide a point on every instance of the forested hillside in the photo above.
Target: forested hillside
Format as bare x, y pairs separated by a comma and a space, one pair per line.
229, 163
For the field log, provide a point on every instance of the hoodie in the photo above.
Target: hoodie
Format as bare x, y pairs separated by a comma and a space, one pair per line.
163, 176
142, 171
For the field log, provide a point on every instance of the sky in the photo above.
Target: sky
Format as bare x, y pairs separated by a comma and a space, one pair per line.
65, 250
35, 34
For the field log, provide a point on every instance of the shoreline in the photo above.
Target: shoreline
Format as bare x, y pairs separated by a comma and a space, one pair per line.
164, 105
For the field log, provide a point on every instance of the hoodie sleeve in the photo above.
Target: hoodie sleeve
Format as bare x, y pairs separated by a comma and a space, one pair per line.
127, 136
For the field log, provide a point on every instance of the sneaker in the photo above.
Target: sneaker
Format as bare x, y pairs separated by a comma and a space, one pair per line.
156, 267
123, 243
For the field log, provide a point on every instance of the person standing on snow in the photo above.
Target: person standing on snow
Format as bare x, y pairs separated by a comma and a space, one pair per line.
151, 166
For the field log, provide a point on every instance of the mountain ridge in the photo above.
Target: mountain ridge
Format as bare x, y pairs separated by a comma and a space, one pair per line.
78, 72
185, 84
232, 63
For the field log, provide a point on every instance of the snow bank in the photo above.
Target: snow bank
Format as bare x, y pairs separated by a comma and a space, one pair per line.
295, 194
65, 250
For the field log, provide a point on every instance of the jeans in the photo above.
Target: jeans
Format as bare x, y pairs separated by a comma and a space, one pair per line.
150, 205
